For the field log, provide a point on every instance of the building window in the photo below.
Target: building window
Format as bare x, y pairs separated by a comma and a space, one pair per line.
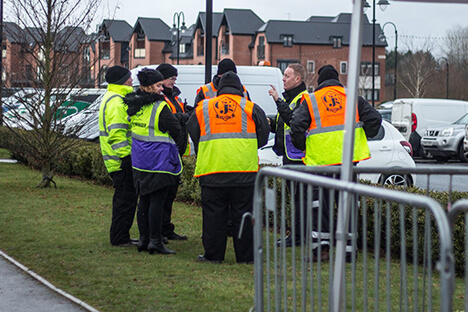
311, 67
337, 42
86, 55
182, 48
343, 68
4, 51
367, 94
287, 40
201, 46
261, 48
105, 50
283, 64
366, 69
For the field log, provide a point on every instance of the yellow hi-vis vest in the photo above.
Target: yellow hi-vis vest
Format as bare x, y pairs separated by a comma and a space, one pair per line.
290, 151
228, 138
324, 142
114, 131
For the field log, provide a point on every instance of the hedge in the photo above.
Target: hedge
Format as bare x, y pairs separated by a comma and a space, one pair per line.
86, 161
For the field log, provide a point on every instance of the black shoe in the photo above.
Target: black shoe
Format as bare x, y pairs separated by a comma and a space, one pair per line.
127, 244
288, 242
158, 246
165, 240
175, 236
143, 244
201, 258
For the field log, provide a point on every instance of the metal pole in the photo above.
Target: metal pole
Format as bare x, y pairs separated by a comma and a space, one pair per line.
208, 39
373, 54
446, 62
396, 61
99, 62
178, 39
347, 160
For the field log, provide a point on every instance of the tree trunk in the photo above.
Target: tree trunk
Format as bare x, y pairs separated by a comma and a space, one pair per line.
47, 176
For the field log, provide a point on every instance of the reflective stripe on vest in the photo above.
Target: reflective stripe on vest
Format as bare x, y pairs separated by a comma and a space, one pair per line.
104, 123
290, 150
324, 143
228, 140
153, 150
172, 105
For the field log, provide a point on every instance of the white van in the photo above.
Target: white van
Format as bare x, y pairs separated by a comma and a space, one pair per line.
256, 79
412, 117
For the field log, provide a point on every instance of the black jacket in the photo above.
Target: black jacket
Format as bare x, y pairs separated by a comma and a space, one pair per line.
284, 116
370, 118
148, 182
231, 179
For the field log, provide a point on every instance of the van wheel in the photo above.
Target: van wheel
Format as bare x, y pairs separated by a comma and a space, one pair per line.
462, 154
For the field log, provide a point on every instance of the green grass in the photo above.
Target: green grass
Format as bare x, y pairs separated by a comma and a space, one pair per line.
4, 154
62, 234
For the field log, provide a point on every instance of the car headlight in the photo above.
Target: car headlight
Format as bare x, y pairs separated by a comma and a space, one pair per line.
446, 132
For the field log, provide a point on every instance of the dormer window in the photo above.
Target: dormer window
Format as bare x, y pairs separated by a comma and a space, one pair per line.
337, 42
287, 40
140, 33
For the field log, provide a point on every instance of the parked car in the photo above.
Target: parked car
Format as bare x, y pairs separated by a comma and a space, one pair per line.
386, 114
388, 148
444, 142
413, 116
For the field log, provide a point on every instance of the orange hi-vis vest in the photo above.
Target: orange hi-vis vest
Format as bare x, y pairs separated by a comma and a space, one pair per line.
210, 91
228, 138
324, 142
171, 105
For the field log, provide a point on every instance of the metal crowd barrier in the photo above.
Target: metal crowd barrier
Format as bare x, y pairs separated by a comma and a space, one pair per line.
394, 259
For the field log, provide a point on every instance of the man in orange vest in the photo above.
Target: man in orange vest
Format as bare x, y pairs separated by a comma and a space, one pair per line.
227, 132
317, 127
179, 109
208, 91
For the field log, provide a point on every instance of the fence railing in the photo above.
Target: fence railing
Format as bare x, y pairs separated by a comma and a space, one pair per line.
399, 253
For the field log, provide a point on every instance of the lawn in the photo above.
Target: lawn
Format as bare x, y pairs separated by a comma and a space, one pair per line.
62, 234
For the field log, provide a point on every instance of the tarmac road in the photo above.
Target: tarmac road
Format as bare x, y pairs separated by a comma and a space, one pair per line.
21, 292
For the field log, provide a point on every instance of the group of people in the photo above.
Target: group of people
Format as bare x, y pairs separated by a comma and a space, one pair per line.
144, 133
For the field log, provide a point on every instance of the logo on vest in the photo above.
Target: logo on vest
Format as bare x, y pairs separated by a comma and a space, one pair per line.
333, 101
225, 109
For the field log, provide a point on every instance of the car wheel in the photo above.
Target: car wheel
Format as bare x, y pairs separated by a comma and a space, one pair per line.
462, 154
396, 180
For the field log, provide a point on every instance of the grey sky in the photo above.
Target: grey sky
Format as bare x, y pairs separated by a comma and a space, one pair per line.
415, 21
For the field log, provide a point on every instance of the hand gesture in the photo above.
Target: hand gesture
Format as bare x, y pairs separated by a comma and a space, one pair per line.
272, 92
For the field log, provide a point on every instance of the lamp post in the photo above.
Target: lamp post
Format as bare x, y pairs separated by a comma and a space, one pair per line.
1, 61
100, 38
447, 68
396, 55
383, 6
177, 30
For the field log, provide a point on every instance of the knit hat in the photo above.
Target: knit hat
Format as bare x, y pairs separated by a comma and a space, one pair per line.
148, 77
226, 65
230, 79
167, 70
117, 75
327, 72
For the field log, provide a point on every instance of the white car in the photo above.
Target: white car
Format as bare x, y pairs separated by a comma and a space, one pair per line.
388, 148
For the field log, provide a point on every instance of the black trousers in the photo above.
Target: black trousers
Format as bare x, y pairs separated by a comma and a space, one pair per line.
167, 226
150, 214
216, 202
123, 206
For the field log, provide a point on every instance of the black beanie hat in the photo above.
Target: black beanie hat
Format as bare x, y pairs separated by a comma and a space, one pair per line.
117, 75
327, 72
167, 70
230, 79
148, 77
226, 65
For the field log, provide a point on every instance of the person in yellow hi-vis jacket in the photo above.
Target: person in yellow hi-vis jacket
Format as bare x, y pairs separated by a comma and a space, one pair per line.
156, 148
317, 127
227, 131
115, 140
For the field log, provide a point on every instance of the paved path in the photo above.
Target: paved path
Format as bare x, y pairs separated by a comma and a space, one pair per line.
22, 290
